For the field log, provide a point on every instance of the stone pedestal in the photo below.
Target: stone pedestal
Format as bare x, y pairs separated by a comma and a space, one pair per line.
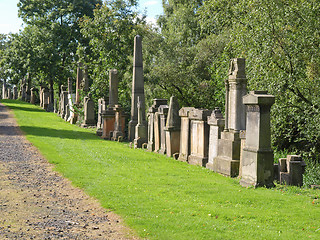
163, 112
152, 122
257, 162
172, 128
157, 132
89, 116
117, 133
228, 160
199, 137
63, 101
46, 99
185, 133
216, 123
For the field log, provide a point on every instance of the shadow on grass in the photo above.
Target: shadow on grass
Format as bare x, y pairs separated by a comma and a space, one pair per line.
57, 133
28, 107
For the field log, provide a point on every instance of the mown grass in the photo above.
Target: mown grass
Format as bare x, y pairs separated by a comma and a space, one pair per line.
161, 198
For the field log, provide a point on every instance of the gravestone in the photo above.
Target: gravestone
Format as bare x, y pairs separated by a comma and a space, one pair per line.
117, 133
291, 170
15, 92
216, 123
101, 109
199, 137
151, 123
4, 90
33, 95
228, 160
141, 129
9, 94
137, 88
63, 101
157, 132
257, 161
163, 112
185, 133
46, 99
89, 116
172, 129
108, 115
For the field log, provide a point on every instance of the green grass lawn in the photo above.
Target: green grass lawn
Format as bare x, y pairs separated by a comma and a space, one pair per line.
161, 198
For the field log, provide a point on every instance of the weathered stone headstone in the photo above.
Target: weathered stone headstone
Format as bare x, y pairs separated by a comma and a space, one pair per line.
137, 88
172, 128
46, 99
9, 93
101, 109
199, 137
33, 96
257, 161
157, 132
89, 116
185, 133
15, 92
216, 123
151, 123
117, 133
291, 170
228, 160
63, 101
141, 129
4, 90
163, 113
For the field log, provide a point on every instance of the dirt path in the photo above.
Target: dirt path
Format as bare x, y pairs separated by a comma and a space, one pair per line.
37, 203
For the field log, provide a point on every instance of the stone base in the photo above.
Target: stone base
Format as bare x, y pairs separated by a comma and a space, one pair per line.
150, 147
183, 157
162, 151
88, 124
209, 165
226, 166
247, 183
99, 132
137, 143
196, 160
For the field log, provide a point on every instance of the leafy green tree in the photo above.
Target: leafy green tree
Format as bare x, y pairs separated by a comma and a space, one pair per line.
111, 34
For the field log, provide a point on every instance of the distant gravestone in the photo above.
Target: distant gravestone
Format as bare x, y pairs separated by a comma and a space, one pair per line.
141, 129
172, 128
15, 92
185, 133
163, 113
101, 109
33, 96
151, 123
216, 123
199, 137
89, 116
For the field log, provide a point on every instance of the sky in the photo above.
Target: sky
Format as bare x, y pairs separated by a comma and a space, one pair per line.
9, 21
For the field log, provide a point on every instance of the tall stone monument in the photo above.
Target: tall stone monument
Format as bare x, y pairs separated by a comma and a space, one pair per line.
137, 88
228, 159
172, 128
101, 109
257, 160
4, 90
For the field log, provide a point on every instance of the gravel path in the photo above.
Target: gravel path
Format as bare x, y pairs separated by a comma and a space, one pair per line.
37, 203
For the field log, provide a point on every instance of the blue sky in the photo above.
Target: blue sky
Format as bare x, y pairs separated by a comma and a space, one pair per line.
9, 21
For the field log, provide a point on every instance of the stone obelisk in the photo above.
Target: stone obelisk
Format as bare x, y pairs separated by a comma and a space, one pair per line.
137, 88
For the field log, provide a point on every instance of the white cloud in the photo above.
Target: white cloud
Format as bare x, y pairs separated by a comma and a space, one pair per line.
151, 20
150, 3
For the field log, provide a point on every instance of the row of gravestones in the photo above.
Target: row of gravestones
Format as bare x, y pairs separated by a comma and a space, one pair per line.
237, 145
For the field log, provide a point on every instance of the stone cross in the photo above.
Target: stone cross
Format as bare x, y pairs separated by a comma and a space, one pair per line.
137, 87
